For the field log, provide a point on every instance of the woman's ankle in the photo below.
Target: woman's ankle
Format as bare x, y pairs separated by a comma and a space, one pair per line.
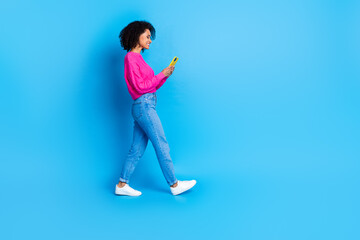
121, 184
174, 185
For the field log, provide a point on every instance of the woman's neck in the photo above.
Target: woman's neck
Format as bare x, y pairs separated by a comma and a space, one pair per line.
137, 50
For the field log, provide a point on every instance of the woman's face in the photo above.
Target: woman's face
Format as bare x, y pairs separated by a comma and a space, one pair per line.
144, 39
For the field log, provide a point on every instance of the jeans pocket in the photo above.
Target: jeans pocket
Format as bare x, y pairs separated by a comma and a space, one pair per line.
136, 110
140, 109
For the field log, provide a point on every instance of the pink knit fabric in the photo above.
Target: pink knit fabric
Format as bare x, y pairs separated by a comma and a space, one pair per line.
139, 76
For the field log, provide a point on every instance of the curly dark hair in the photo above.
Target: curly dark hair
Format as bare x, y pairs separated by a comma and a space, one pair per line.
129, 36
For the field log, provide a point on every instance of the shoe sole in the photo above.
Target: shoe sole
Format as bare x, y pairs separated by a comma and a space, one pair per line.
185, 190
119, 194
127, 195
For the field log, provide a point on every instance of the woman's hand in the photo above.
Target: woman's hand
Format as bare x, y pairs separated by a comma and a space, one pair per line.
168, 71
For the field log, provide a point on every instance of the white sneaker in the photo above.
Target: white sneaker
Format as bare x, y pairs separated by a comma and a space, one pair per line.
182, 187
126, 190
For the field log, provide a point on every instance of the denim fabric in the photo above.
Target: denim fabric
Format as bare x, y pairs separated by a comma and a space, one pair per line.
147, 126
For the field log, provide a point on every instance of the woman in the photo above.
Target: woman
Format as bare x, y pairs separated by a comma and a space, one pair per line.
142, 85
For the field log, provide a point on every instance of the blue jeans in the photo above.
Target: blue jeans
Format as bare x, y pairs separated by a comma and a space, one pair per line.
147, 126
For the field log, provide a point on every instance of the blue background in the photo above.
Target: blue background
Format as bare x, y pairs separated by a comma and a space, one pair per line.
262, 110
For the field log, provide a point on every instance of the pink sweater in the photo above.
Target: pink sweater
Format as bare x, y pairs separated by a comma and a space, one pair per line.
140, 77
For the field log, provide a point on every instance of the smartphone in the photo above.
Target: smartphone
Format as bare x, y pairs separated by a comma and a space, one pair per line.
173, 62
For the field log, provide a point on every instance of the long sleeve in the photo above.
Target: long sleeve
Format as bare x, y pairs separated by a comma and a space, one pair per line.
140, 77
140, 83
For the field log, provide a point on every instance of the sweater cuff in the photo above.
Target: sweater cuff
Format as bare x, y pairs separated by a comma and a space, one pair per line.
162, 76
162, 80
